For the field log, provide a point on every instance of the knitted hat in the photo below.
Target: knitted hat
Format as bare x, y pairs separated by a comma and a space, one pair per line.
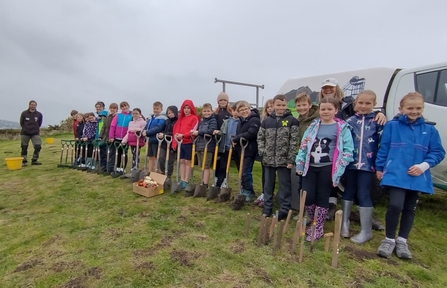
222, 96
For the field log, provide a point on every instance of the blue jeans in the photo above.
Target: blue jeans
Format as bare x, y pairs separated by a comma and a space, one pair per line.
247, 169
358, 181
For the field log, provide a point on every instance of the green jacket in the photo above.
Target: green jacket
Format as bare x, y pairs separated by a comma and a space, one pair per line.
306, 121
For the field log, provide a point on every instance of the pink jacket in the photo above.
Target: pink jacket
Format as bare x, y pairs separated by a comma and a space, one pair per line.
131, 138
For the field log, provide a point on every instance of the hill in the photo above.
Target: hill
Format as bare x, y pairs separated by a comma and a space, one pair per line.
4, 124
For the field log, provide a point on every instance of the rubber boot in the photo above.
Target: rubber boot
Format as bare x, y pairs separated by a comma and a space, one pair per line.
310, 210
319, 227
345, 223
365, 222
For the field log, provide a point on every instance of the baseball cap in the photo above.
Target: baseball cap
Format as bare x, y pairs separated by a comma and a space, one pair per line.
329, 82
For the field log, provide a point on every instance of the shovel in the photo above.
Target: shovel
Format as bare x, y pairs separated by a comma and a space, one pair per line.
191, 187
200, 190
168, 182
107, 172
177, 186
214, 191
158, 156
98, 162
63, 145
72, 156
237, 199
94, 155
82, 157
225, 192
77, 160
125, 149
144, 172
135, 174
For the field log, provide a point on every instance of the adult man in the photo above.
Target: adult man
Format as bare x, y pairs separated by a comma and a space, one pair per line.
30, 121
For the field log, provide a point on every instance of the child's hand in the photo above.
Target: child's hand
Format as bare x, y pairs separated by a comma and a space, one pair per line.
111, 140
216, 132
379, 175
179, 136
414, 171
144, 133
195, 133
299, 173
289, 166
160, 135
380, 118
84, 139
76, 139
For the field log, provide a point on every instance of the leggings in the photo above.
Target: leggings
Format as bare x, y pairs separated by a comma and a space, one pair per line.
402, 203
318, 185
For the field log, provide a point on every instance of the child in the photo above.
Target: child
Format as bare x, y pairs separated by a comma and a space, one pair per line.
266, 111
155, 125
360, 173
325, 151
99, 107
107, 167
73, 115
117, 131
408, 149
102, 146
207, 125
88, 135
277, 142
223, 112
187, 122
136, 127
247, 128
80, 160
172, 113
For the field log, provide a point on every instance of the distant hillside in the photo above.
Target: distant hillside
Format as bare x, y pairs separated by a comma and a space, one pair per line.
9, 124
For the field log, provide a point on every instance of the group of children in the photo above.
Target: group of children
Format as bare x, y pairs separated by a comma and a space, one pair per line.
328, 141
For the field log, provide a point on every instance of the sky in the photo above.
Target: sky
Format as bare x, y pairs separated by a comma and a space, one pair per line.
69, 54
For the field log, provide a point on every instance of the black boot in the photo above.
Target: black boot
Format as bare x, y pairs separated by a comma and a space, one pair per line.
24, 161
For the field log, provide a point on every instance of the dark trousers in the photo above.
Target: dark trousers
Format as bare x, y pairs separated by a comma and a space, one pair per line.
103, 155
37, 144
401, 201
284, 191
358, 183
89, 150
81, 152
247, 176
318, 185
112, 156
162, 161
221, 166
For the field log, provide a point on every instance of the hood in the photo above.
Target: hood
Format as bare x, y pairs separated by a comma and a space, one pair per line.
286, 113
174, 110
313, 113
404, 120
254, 114
140, 119
103, 113
189, 103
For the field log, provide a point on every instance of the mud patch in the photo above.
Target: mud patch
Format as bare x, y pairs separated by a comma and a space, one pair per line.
56, 253
165, 242
121, 212
201, 238
64, 266
145, 266
264, 276
183, 257
94, 272
52, 240
28, 265
113, 233
199, 224
143, 214
181, 219
360, 254
238, 247
77, 282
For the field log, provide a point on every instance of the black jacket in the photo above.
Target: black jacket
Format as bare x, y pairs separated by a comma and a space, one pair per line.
206, 126
169, 124
80, 130
30, 122
221, 115
248, 128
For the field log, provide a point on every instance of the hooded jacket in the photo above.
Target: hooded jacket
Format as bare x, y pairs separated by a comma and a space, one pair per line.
405, 144
89, 130
185, 124
100, 122
305, 121
366, 135
206, 126
248, 128
155, 125
135, 126
221, 115
119, 125
169, 125
343, 149
104, 133
30, 122
277, 140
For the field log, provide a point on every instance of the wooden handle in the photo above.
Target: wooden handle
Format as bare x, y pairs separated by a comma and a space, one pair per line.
338, 216
216, 150
193, 155
289, 215
229, 160
204, 157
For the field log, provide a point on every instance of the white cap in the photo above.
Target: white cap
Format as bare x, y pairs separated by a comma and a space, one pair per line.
329, 82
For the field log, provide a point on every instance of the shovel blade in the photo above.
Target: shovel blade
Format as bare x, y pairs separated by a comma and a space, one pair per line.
213, 192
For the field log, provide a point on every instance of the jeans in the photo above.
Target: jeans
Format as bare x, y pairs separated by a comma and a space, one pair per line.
358, 182
401, 201
247, 176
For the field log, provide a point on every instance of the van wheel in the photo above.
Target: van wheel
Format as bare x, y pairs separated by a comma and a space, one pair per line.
376, 192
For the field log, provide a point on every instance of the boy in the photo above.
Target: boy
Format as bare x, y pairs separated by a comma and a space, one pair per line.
187, 122
247, 129
155, 124
307, 111
206, 126
172, 112
107, 167
277, 144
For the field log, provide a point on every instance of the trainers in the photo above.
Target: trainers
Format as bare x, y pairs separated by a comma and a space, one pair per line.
386, 248
35, 162
184, 185
402, 250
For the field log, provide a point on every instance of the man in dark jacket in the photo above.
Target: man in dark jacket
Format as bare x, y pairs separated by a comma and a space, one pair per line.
30, 121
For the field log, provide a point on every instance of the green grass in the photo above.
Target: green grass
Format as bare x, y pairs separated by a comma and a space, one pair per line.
66, 228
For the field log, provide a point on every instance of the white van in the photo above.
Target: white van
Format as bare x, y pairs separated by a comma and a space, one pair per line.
390, 85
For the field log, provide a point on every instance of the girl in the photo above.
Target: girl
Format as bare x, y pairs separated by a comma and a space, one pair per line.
330, 88
266, 111
117, 131
107, 167
88, 135
409, 147
172, 113
80, 160
325, 151
223, 112
360, 173
135, 128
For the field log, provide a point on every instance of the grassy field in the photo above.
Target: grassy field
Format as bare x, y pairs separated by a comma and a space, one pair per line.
66, 228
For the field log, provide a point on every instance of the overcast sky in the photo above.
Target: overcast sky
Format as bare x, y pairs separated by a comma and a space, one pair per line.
69, 54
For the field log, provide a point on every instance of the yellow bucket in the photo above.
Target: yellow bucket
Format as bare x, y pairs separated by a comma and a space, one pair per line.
14, 163
50, 140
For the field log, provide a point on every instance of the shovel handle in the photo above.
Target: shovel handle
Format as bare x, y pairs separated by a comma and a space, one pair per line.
207, 138
216, 150
193, 155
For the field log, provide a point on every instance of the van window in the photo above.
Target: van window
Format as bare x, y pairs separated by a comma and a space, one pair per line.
426, 85
441, 93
